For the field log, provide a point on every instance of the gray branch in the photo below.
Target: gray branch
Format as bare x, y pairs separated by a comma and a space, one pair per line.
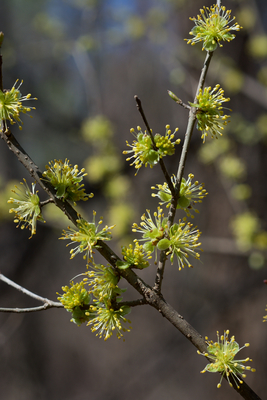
47, 303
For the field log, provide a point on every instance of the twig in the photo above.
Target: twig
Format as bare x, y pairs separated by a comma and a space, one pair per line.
43, 203
161, 162
47, 303
31, 309
191, 123
163, 257
178, 101
188, 135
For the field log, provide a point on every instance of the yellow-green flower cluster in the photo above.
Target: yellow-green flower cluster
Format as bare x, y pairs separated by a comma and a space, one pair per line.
182, 242
108, 316
87, 236
27, 210
103, 283
164, 144
190, 194
104, 314
210, 116
66, 180
11, 105
144, 152
265, 317
213, 26
222, 354
76, 300
134, 256
109, 320
151, 232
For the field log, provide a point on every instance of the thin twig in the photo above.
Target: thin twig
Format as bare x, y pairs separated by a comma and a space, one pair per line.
45, 202
178, 101
47, 303
31, 309
191, 122
161, 162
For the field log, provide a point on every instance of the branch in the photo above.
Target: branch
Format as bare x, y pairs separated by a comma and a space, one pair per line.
31, 309
36, 174
47, 303
133, 303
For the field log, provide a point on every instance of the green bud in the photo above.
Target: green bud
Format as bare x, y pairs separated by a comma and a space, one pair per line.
163, 244
164, 196
183, 202
148, 246
122, 264
173, 96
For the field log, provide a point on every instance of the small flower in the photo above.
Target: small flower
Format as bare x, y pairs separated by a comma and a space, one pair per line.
103, 282
181, 242
213, 26
210, 117
109, 320
87, 235
134, 257
144, 152
222, 353
164, 143
27, 210
76, 300
75, 295
152, 232
265, 317
190, 194
11, 105
66, 180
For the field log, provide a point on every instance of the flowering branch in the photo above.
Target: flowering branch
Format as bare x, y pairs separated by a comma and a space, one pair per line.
175, 197
62, 185
151, 296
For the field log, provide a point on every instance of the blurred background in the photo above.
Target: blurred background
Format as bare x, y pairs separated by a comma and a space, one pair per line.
85, 60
